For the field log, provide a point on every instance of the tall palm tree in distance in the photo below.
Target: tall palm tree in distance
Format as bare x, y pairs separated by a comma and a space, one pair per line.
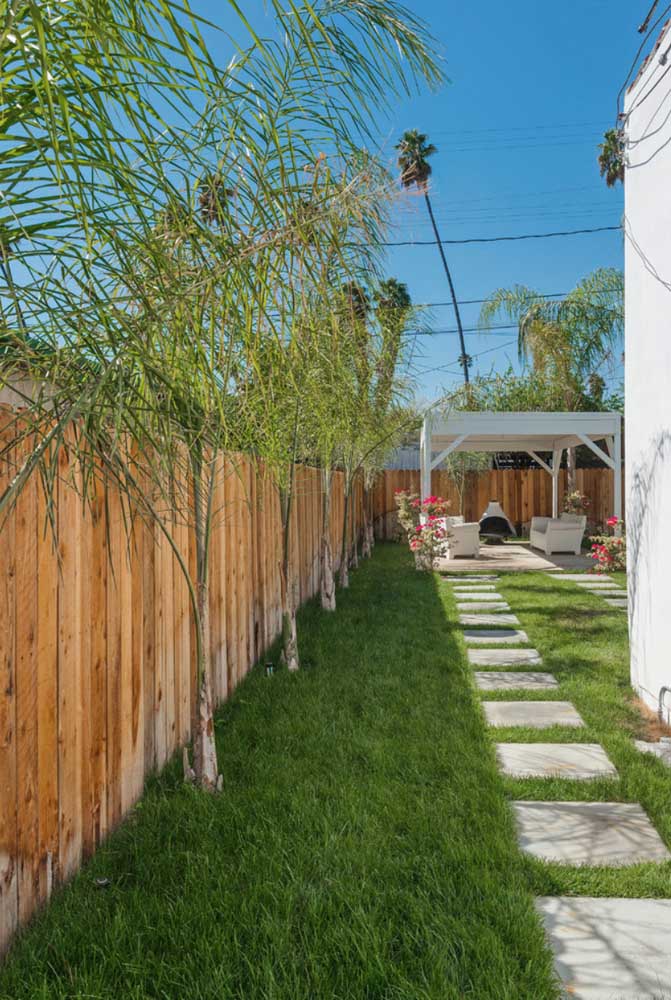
413, 161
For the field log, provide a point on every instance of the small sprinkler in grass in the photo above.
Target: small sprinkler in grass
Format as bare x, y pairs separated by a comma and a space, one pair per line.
270, 669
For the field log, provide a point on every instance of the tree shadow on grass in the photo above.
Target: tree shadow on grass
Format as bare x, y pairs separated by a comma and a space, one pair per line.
362, 847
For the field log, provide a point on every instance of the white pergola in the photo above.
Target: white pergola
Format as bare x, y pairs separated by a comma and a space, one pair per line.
528, 432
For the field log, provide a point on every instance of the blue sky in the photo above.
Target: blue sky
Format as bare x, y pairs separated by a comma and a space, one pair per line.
533, 87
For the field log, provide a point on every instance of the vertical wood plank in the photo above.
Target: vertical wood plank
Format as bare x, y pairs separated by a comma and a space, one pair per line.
9, 900
47, 698
97, 584
69, 670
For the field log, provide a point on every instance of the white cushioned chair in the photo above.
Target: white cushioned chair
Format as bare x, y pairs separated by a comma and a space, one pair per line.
463, 540
561, 534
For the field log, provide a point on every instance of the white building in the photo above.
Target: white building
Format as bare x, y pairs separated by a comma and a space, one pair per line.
648, 373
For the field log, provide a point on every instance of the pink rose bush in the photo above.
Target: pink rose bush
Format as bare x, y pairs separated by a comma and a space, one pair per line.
609, 552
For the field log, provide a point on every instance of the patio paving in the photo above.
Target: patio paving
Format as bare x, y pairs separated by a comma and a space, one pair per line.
492, 636
531, 714
588, 833
483, 606
512, 556
610, 949
578, 761
517, 680
504, 657
491, 621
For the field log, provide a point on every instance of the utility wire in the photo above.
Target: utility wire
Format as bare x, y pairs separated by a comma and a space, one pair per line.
502, 239
635, 62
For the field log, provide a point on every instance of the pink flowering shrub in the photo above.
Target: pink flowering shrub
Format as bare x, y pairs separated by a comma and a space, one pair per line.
408, 509
421, 525
427, 542
609, 552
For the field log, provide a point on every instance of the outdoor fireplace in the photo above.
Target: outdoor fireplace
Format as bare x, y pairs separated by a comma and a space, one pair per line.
494, 523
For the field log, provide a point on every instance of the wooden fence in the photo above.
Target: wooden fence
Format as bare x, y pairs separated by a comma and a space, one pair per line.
523, 494
97, 667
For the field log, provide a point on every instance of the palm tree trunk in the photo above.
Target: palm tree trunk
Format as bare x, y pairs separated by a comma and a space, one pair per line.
343, 572
327, 580
462, 343
206, 771
289, 655
367, 542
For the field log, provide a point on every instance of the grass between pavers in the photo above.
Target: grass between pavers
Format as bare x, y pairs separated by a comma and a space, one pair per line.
362, 848
584, 644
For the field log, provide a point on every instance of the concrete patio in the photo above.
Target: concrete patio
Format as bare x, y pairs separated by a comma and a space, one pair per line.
511, 556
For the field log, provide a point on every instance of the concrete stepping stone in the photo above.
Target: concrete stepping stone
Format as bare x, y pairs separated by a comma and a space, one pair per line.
492, 636
606, 585
609, 949
532, 714
477, 595
617, 602
661, 750
504, 657
607, 592
576, 577
514, 680
588, 833
490, 621
475, 587
578, 761
480, 578
477, 606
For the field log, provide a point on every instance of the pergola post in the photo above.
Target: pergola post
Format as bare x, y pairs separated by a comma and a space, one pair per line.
617, 472
425, 458
556, 466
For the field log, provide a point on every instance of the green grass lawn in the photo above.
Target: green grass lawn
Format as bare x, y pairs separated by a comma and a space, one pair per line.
362, 848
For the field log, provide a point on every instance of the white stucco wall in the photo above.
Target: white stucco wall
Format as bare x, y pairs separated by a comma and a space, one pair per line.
648, 375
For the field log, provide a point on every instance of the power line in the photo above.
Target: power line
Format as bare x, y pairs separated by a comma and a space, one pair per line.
467, 329
636, 58
448, 369
503, 239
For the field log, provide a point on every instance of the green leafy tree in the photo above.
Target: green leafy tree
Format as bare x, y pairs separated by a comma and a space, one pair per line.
564, 340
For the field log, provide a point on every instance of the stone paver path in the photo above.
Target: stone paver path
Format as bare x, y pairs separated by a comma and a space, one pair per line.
532, 714
575, 577
504, 657
480, 578
477, 595
492, 636
617, 602
578, 761
660, 750
588, 833
610, 949
605, 949
477, 606
514, 680
490, 621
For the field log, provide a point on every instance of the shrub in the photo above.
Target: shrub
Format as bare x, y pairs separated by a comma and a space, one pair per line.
609, 551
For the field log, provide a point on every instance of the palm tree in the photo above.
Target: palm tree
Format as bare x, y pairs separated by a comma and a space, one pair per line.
611, 157
413, 160
565, 339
